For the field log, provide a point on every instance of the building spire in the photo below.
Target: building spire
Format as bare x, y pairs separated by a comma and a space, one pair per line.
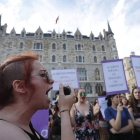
109, 29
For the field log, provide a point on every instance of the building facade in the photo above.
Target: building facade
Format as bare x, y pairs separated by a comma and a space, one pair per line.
65, 51
130, 77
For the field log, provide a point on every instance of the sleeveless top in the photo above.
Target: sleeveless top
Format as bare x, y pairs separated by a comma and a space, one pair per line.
32, 137
84, 129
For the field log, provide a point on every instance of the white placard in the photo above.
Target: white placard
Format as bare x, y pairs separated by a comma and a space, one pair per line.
114, 77
66, 77
103, 104
136, 67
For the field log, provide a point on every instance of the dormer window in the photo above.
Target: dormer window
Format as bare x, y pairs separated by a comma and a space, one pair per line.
22, 34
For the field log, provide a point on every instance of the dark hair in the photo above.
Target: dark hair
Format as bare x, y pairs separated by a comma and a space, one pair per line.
109, 102
126, 99
102, 93
56, 108
15, 68
94, 103
134, 102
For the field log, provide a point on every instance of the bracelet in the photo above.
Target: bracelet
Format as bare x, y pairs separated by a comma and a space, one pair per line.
64, 111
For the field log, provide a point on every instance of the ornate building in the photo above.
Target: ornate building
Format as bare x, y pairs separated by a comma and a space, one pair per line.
62, 50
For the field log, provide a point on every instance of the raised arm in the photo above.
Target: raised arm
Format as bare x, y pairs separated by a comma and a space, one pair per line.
66, 102
136, 123
96, 109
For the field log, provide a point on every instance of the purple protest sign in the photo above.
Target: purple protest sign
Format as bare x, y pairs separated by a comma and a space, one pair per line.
66, 77
39, 122
135, 60
114, 77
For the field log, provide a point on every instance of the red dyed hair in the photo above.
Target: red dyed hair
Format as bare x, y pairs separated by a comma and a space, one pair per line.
15, 68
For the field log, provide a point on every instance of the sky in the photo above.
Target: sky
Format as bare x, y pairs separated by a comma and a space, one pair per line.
86, 15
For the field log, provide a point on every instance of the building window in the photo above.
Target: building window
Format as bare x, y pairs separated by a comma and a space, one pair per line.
10, 46
80, 59
21, 46
98, 88
103, 48
53, 58
64, 46
82, 74
95, 59
79, 47
22, 34
130, 63
88, 88
38, 46
76, 58
94, 49
64, 58
53, 46
97, 74
104, 58
75, 47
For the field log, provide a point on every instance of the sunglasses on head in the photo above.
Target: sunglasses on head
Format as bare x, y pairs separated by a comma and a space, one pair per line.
83, 94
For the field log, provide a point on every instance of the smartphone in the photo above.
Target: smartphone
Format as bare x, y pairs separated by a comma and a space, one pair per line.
66, 90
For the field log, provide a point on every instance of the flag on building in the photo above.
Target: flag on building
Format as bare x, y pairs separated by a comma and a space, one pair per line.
57, 19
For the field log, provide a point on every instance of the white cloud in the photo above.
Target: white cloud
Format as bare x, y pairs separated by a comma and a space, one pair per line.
87, 15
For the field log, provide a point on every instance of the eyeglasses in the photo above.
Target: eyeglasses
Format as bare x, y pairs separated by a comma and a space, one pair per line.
44, 75
83, 94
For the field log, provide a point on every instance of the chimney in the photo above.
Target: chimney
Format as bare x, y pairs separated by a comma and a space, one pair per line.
132, 53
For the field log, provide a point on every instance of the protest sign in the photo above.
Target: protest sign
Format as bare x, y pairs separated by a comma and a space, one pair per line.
135, 60
39, 121
114, 77
66, 77
103, 104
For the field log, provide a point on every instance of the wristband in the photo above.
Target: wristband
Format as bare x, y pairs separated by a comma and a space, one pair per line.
64, 111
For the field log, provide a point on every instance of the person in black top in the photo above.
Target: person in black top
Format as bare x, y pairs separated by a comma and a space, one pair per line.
55, 133
24, 87
134, 111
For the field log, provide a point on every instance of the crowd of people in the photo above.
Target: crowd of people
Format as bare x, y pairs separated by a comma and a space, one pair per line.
24, 87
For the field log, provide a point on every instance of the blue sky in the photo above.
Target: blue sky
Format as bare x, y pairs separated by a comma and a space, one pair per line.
87, 15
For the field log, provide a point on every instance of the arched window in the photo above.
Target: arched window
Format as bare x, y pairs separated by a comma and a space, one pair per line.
104, 58
82, 74
98, 88
53, 58
88, 88
97, 74
80, 59
53, 46
95, 59
79, 47
94, 49
21, 46
64, 46
64, 58
103, 48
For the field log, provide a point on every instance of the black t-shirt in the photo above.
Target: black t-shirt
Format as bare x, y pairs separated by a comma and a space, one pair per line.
57, 125
50, 112
135, 115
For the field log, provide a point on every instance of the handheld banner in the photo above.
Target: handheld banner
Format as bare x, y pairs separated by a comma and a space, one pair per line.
66, 77
135, 60
39, 121
114, 77
103, 104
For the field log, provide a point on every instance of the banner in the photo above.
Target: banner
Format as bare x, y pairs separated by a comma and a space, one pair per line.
66, 77
39, 121
135, 60
103, 104
114, 77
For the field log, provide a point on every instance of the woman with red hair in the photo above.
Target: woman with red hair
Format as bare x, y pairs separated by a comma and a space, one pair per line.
24, 87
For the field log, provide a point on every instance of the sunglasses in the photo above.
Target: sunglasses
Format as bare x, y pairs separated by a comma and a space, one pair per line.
83, 94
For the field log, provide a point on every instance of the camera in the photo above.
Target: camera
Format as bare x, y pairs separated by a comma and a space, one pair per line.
66, 90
